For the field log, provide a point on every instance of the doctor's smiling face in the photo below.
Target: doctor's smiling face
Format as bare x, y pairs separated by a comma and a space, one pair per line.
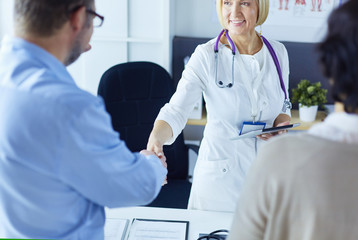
240, 16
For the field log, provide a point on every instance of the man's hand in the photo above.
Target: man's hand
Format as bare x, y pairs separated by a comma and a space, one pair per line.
161, 157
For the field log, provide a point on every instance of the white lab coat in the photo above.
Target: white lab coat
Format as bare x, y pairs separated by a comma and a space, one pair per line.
222, 164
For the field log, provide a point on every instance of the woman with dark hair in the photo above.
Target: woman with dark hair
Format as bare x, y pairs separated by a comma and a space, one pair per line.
304, 186
338, 55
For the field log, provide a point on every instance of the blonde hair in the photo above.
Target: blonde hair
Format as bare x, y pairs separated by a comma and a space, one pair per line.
263, 11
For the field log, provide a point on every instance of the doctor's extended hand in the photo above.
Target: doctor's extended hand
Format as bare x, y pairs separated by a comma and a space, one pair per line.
156, 147
267, 136
160, 134
162, 159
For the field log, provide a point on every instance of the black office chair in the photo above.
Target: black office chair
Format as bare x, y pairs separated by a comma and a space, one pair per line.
133, 93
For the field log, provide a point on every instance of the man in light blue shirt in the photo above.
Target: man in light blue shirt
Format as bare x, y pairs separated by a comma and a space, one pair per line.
61, 161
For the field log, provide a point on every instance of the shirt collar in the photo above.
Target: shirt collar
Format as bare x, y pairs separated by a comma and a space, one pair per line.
12, 44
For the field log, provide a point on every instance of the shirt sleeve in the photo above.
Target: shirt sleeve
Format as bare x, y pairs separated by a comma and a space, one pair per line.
99, 165
189, 91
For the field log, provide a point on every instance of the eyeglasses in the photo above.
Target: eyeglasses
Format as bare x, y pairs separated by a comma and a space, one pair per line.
97, 20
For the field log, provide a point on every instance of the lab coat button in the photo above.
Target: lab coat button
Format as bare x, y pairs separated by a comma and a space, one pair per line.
224, 170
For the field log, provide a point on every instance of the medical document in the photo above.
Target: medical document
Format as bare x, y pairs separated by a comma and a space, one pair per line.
151, 229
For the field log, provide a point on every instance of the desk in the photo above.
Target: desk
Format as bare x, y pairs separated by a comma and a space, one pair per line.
199, 221
321, 115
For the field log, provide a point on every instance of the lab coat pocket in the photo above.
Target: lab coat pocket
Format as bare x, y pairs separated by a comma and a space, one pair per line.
214, 186
214, 166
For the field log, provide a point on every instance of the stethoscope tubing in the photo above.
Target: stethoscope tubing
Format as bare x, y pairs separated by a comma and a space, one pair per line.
220, 84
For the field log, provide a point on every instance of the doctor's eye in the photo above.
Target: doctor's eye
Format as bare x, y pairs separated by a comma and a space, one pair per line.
227, 3
245, 4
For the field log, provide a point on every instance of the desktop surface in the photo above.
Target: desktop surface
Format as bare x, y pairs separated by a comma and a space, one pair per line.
199, 221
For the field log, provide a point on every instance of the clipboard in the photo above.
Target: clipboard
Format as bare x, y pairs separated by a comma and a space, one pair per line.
265, 130
149, 229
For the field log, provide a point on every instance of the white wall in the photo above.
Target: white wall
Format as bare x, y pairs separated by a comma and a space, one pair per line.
6, 17
194, 18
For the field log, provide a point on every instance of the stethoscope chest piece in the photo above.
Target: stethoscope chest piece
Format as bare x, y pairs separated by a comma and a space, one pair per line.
286, 105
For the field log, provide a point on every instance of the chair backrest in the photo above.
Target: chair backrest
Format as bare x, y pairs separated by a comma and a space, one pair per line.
134, 93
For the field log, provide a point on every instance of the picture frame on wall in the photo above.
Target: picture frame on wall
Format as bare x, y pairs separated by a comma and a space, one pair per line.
298, 20
300, 12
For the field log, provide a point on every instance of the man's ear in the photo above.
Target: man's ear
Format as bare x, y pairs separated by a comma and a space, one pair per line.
78, 19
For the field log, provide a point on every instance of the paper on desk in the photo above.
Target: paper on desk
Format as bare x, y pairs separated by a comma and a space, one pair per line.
115, 228
148, 229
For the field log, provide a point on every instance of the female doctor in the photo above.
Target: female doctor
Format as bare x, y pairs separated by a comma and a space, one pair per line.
242, 87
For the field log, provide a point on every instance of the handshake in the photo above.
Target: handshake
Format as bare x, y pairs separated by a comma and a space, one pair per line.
161, 157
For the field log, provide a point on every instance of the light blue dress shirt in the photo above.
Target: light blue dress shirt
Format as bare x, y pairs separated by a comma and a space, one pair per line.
60, 159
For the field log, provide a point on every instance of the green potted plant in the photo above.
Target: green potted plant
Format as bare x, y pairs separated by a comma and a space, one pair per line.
309, 97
